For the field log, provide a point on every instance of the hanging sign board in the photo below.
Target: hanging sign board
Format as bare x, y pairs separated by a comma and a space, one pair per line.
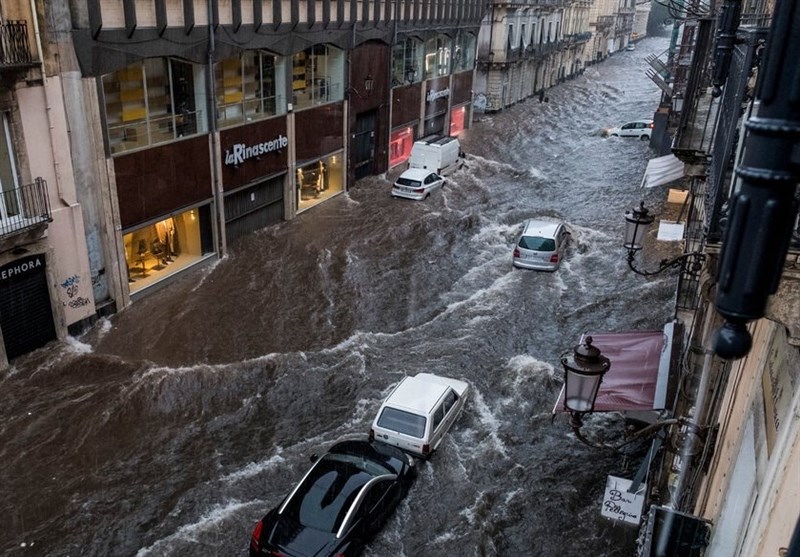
619, 504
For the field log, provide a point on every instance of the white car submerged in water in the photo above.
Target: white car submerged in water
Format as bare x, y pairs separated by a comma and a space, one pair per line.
418, 413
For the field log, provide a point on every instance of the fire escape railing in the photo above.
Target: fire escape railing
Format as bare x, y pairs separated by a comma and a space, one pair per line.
24, 207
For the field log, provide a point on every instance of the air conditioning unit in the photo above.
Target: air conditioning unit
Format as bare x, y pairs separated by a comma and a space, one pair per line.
670, 533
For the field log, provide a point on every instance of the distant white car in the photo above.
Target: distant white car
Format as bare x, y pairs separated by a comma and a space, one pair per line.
418, 412
417, 183
642, 129
630, 47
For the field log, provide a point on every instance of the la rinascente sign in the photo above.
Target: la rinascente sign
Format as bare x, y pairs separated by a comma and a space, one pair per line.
240, 152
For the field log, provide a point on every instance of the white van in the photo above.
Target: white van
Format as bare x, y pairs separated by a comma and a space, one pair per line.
440, 154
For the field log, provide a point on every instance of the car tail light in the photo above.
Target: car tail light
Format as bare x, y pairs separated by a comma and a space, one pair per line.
554, 258
650, 125
255, 539
516, 252
371, 434
426, 449
419, 190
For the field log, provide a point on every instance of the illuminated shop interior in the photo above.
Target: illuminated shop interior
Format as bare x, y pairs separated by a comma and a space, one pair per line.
458, 118
400, 145
320, 180
160, 249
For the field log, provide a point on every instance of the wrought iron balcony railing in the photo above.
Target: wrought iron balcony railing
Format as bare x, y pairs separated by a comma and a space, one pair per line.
14, 48
24, 207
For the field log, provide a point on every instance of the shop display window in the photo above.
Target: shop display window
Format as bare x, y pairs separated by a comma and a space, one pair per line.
165, 247
320, 180
464, 55
458, 120
437, 56
317, 76
152, 102
406, 60
250, 88
400, 146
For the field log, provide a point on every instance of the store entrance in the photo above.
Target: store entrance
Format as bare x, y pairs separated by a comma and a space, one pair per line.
26, 317
364, 144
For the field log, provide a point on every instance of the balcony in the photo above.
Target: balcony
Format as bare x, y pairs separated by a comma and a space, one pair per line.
15, 52
605, 21
25, 209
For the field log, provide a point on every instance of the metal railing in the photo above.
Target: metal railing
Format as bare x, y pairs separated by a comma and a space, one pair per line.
14, 47
24, 207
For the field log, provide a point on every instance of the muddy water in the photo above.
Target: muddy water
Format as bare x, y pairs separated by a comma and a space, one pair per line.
171, 428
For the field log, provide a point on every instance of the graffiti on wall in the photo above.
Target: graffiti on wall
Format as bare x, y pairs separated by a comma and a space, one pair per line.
71, 287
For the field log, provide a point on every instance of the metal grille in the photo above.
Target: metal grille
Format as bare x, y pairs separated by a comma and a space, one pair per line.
14, 49
727, 134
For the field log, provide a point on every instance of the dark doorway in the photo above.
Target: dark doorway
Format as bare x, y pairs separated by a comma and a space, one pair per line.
364, 144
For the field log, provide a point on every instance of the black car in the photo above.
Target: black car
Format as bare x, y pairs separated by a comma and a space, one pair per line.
341, 502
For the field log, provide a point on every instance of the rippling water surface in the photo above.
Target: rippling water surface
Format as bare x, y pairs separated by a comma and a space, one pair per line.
171, 428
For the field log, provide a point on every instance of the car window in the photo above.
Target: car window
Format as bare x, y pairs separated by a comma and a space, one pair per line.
403, 422
449, 401
430, 179
327, 493
537, 243
628, 126
438, 416
408, 182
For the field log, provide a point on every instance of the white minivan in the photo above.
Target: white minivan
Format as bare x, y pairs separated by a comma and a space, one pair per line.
418, 412
438, 154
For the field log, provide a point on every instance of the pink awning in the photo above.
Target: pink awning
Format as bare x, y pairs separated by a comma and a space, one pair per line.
639, 372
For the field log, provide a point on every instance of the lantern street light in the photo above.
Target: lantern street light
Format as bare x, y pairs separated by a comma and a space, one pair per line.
583, 373
637, 223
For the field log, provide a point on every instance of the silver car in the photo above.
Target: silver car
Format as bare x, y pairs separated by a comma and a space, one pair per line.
417, 183
541, 245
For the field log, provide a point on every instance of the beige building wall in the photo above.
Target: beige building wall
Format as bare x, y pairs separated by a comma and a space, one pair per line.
46, 142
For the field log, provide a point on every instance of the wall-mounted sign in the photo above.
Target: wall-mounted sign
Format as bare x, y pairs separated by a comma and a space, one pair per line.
17, 269
240, 152
433, 95
619, 503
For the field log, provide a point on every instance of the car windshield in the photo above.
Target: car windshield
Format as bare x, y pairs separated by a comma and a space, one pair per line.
328, 492
403, 422
409, 182
537, 243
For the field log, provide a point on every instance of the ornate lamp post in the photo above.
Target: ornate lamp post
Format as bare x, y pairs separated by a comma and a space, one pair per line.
584, 369
637, 223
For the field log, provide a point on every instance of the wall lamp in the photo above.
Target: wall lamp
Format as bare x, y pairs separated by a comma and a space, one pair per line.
637, 223
584, 368
369, 85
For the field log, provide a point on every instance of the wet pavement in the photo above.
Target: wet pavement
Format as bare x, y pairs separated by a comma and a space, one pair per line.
172, 427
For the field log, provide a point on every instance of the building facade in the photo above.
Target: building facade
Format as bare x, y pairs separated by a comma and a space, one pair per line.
46, 275
193, 123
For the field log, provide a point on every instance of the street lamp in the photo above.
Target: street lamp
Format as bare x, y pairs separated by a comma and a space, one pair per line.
637, 223
369, 83
583, 372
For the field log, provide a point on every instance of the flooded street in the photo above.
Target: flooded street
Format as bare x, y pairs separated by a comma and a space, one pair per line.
171, 428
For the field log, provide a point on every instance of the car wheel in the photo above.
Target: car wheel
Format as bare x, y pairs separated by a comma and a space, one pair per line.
614, 135
645, 138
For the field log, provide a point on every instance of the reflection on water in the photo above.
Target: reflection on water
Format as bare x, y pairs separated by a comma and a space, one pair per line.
172, 427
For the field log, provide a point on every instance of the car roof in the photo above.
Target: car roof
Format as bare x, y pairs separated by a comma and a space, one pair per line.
546, 228
419, 393
415, 173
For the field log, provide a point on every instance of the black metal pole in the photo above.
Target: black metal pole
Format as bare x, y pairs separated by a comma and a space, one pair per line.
763, 209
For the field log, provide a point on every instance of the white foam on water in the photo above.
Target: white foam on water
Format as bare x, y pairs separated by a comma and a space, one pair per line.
207, 270
488, 419
256, 468
77, 347
192, 532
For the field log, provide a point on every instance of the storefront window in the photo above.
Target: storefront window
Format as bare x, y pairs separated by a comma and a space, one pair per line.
400, 146
437, 56
464, 55
249, 88
151, 102
317, 76
163, 248
406, 60
318, 181
458, 120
